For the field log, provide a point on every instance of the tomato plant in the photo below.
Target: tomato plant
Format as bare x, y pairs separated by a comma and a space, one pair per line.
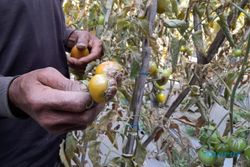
185, 47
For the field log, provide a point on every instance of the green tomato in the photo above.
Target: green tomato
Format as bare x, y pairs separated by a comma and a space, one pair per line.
164, 75
222, 148
159, 87
247, 153
183, 48
205, 136
153, 70
195, 91
237, 52
237, 144
207, 156
101, 20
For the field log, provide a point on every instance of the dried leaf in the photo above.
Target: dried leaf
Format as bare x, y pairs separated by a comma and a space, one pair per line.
198, 42
174, 126
62, 155
175, 23
94, 153
91, 134
158, 134
187, 121
70, 146
111, 116
174, 50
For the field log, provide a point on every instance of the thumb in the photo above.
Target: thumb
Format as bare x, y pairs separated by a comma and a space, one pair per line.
82, 40
54, 79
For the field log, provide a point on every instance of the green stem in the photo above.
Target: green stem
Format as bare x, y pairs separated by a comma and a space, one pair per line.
239, 79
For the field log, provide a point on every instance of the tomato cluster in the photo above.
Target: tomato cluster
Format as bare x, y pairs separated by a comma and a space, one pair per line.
160, 77
103, 85
215, 148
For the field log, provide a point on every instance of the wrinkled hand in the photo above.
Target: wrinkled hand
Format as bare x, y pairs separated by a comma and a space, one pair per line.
82, 40
55, 102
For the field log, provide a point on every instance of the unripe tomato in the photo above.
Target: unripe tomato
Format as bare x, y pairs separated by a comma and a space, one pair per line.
76, 53
101, 20
161, 98
153, 70
222, 147
111, 68
164, 75
159, 87
247, 153
206, 136
237, 144
183, 48
195, 91
207, 156
237, 53
102, 88
162, 6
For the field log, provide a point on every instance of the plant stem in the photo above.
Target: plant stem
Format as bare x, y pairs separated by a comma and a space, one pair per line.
240, 77
136, 102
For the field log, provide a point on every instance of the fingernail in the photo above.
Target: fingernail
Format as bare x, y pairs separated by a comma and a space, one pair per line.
80, 46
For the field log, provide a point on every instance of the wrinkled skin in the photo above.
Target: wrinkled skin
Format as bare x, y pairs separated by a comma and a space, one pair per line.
53, 101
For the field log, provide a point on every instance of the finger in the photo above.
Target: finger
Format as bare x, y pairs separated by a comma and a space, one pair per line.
76, 65
71, 101
60, 122
96, 52
82, 40
52, 78
90, 115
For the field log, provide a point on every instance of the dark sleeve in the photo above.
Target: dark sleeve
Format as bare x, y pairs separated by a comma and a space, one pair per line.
5, 110
68, 32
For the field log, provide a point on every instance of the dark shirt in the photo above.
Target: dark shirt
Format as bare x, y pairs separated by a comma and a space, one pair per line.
32, 34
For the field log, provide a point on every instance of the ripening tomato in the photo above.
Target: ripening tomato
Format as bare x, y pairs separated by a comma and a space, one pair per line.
153, 70
110, 68
161, 98
76, 53
102, 88
162, 6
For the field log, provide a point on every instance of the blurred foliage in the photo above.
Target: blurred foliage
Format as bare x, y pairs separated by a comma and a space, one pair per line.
121, 25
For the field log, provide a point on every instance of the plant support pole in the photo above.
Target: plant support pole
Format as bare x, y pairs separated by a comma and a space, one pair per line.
140, 82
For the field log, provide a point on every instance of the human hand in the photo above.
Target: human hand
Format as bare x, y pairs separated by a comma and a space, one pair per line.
53, 101
83, 40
